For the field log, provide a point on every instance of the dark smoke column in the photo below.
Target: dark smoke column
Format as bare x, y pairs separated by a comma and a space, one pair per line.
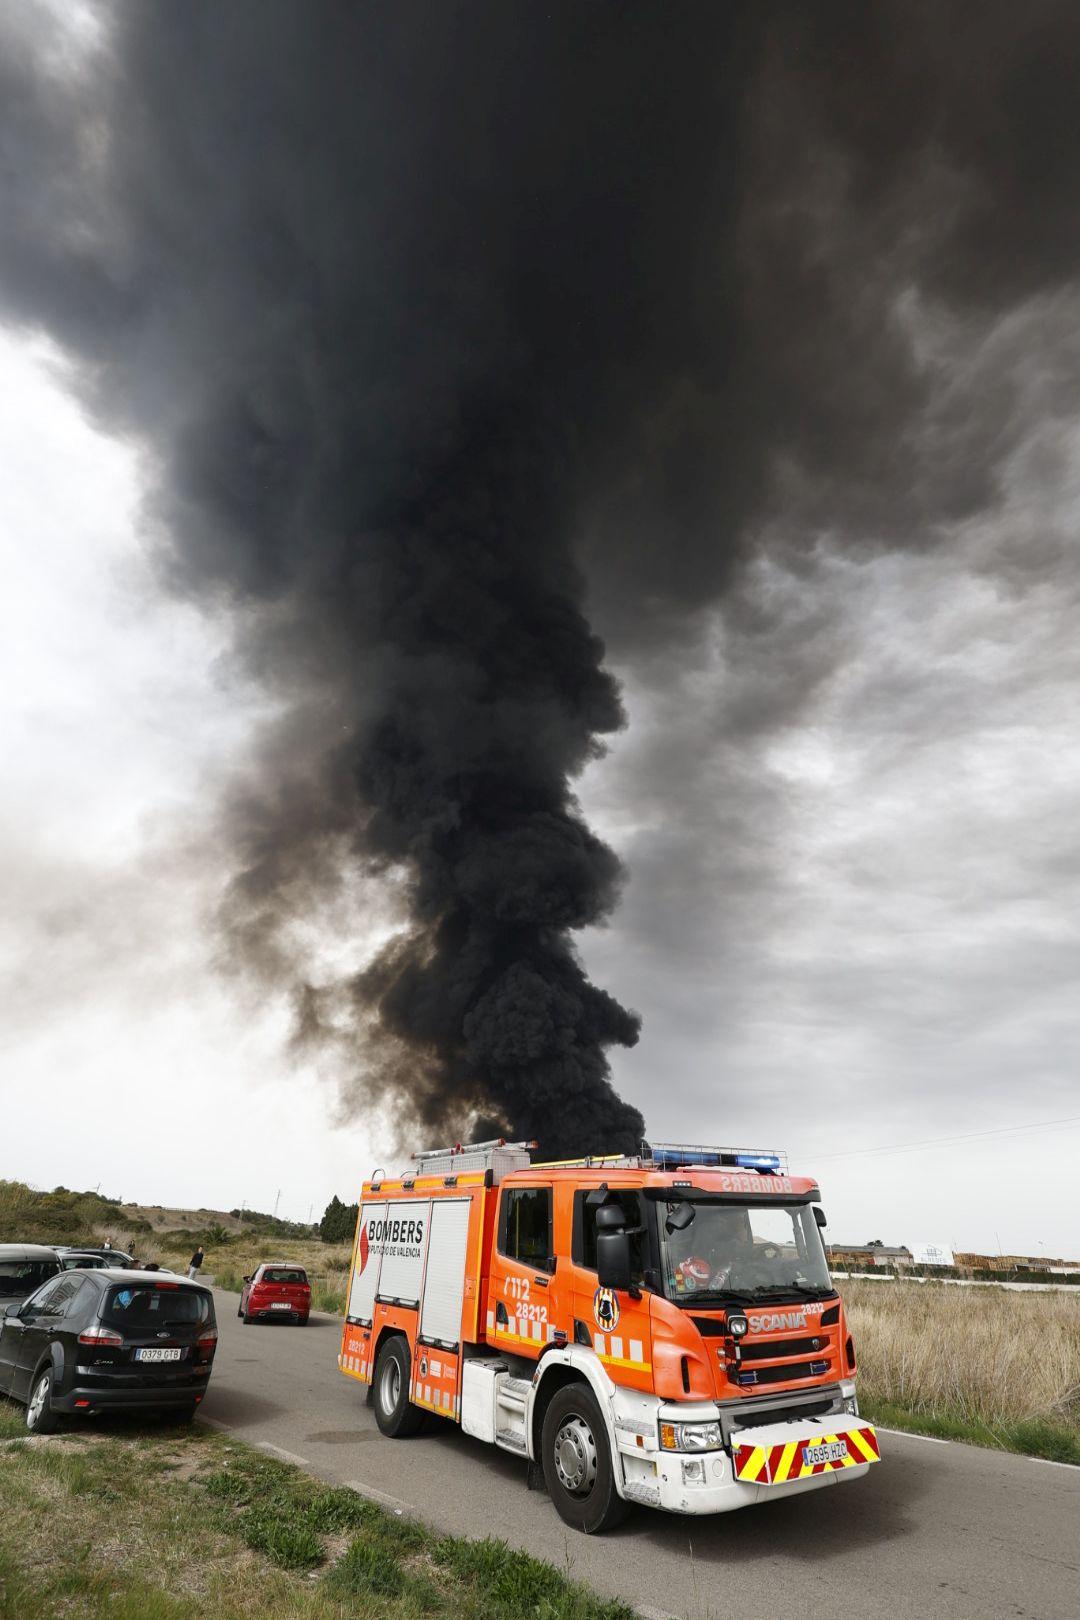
495, 698
341, 270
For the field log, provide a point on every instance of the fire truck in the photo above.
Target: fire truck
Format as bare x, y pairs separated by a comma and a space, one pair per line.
657, 1329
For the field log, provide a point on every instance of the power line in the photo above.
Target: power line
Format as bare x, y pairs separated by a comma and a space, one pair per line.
939, 1141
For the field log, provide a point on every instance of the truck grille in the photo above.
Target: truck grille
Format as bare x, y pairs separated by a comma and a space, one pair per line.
782, 1374
765, 1350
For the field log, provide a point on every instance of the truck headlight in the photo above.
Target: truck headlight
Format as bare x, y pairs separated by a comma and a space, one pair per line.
691, 1436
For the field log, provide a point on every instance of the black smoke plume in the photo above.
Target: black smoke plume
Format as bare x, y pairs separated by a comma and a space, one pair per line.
414, 308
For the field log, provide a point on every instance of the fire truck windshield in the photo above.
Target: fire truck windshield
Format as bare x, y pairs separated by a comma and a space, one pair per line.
747, 1251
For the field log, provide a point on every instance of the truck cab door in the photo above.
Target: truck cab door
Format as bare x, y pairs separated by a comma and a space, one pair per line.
526, 1294
617, 1325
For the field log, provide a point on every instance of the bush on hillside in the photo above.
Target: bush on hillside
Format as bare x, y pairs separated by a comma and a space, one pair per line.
61, 1216
339, 1221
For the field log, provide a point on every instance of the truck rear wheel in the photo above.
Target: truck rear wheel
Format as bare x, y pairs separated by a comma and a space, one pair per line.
394, 1411
578, 1470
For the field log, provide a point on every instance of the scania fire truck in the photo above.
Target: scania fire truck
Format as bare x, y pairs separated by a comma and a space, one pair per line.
658, 1329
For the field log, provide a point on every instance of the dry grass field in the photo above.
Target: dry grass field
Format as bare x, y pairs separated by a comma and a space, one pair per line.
987, 1363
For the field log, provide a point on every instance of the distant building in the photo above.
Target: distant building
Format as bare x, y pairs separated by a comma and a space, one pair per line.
869, 1254
899, 1257
1014, 1262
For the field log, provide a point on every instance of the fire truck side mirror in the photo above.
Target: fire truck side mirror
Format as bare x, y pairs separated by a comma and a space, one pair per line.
819, 1215
679, 1217
613, 1260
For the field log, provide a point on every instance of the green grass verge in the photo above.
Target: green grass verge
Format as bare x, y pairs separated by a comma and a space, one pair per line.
181, 1524
1036, 1438
12, 1422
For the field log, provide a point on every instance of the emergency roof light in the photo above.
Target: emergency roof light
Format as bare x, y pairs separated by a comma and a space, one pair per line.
678, 1155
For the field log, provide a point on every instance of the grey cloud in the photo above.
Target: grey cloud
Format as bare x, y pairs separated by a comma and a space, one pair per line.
422, 313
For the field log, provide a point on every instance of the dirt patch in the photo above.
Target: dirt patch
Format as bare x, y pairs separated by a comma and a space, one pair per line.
46, 1442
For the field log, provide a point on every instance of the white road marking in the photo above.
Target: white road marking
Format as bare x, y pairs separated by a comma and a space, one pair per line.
1051, 1462
908, 1434
279, 1451
648, 1613
374, 1495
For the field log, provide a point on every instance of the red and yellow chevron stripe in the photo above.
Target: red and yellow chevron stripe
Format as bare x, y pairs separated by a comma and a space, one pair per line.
776, 1465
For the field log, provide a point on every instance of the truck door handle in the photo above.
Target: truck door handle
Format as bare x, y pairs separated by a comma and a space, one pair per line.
541, 1282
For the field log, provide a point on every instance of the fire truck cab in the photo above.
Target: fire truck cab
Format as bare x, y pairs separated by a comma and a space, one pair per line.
659, 1329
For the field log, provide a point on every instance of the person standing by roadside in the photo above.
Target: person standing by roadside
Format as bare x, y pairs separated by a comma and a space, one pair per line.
196, 1261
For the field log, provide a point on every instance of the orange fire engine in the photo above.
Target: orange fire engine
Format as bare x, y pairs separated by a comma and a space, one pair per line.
658, 1329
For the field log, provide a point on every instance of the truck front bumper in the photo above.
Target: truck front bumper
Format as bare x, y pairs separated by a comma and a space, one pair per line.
777, 1460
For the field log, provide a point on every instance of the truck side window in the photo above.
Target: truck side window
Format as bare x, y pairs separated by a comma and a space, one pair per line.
525, 1231
585, 1223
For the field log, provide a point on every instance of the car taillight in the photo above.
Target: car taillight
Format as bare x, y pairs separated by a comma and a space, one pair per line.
100, 1335
207, 1337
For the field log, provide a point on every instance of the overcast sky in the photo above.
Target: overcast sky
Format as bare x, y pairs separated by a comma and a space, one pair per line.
857, 930
846, 796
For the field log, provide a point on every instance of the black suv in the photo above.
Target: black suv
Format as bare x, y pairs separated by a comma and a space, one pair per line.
104, 1341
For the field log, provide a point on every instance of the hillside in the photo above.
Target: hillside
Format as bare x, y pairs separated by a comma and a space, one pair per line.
30, 1215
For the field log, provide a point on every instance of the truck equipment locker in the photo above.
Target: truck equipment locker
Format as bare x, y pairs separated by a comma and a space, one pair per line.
444, 1283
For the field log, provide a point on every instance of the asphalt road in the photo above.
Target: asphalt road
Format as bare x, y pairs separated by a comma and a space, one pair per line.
935, 1530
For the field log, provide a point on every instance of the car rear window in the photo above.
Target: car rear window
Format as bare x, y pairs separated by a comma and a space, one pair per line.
279, 1274
149, 1304
20, 1277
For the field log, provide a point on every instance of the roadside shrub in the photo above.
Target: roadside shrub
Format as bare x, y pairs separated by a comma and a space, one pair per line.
514, 1583
275, 1532
366, 1568
334, 1510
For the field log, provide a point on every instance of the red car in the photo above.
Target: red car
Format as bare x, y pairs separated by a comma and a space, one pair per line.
276, 1289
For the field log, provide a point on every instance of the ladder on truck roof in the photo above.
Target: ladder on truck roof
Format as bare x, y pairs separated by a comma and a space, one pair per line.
498, 1156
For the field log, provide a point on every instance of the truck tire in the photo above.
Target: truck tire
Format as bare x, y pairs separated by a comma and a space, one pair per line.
394, 1411
578, 1470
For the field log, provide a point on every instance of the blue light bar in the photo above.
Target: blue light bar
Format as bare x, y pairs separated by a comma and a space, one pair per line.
670, 1158
673, 1155
758, 1161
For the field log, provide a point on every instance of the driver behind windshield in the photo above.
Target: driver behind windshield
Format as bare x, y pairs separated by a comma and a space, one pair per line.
729, 1243
730, 1249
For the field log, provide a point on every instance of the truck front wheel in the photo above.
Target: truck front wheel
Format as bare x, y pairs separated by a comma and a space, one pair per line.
394, 1411
578, 1470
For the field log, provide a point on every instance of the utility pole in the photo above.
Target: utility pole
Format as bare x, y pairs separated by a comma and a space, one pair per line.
277, 1201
